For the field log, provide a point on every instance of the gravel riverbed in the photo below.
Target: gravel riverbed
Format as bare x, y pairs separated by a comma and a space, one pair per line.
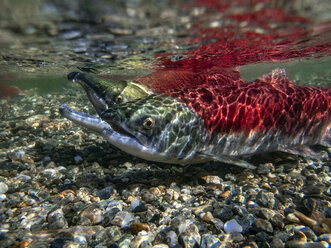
63, 186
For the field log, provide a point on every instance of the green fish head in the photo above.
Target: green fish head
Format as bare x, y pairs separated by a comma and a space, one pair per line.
104, 93
157, 128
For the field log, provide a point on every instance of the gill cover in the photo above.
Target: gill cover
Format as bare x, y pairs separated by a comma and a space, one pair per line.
165, 127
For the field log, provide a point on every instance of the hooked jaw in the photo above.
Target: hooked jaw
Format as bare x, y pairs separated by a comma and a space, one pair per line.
123, 141
94, 91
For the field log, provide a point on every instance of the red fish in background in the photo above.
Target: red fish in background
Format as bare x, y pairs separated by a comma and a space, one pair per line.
259, 31
7, 92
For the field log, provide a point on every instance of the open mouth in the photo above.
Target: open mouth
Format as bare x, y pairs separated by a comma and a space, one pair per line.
94, 91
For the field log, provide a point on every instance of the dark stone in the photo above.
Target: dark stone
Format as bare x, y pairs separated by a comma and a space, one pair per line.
247, 223
105, 193
224, 214
140, 208
60, 243
263, 225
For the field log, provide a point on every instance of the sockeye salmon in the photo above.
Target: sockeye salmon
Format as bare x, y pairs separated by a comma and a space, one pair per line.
214, 119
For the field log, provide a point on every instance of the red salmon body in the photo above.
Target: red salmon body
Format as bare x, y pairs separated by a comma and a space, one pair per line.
270, 104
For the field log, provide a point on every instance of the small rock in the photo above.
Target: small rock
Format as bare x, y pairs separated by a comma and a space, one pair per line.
3, 188
264, 169
137, 227
2, 197
209, 240
78, 159
190, 237
160, 246
143, 239
277, 243
219, 225
172, 239
212, 179
185, 197
106, 234
93, 214
207, 217
325, 237
138, 206
247, 222
57, 220
263, 225
237, 237
266, 199
60, 242
105, 193
232, 226
123, 219
224, 214
311, 236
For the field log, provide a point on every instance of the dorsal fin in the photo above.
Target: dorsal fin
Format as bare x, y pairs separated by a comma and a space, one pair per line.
276, 76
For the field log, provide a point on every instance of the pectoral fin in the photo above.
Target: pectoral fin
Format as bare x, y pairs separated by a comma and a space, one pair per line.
228, 160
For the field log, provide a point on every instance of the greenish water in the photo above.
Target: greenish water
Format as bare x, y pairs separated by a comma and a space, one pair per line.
42, 41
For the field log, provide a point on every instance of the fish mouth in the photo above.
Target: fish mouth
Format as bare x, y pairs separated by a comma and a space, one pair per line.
95, 91
114, 133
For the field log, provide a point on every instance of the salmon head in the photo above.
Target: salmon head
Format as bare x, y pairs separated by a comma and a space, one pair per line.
104, 93
156, 128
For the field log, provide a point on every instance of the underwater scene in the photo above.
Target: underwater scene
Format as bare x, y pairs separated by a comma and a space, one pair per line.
173, 123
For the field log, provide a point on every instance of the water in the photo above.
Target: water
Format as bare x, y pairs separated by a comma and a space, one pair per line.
41, 41
49, 164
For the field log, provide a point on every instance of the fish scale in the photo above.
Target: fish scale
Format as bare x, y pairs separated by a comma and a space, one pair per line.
196, 118
270, 102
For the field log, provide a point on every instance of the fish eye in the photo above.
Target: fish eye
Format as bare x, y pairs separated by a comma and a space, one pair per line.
148, 122
119, 99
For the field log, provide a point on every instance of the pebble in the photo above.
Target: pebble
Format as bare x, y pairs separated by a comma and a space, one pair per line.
105, 193
208, 241
107, 199
57, 220
137, 227
266, 199
232, 226
78, 159
2, 197
91, 215
3, 188
277, 243
263, 225
123, 219
212, 179
325, 237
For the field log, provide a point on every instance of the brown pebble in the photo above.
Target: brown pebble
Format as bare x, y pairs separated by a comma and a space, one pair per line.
207, 217
292, 218
226, 194
23, 204
66, 193
22, 244
137, 227
211, 179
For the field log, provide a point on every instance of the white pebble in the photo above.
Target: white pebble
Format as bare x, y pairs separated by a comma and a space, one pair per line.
232, 226
3, 188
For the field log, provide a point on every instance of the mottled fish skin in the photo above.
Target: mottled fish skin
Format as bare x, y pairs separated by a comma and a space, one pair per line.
271, 113
219, 120
162, 124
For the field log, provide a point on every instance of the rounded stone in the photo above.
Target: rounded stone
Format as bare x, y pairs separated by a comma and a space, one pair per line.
3, 188
137, 227
263, 225
232, 226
